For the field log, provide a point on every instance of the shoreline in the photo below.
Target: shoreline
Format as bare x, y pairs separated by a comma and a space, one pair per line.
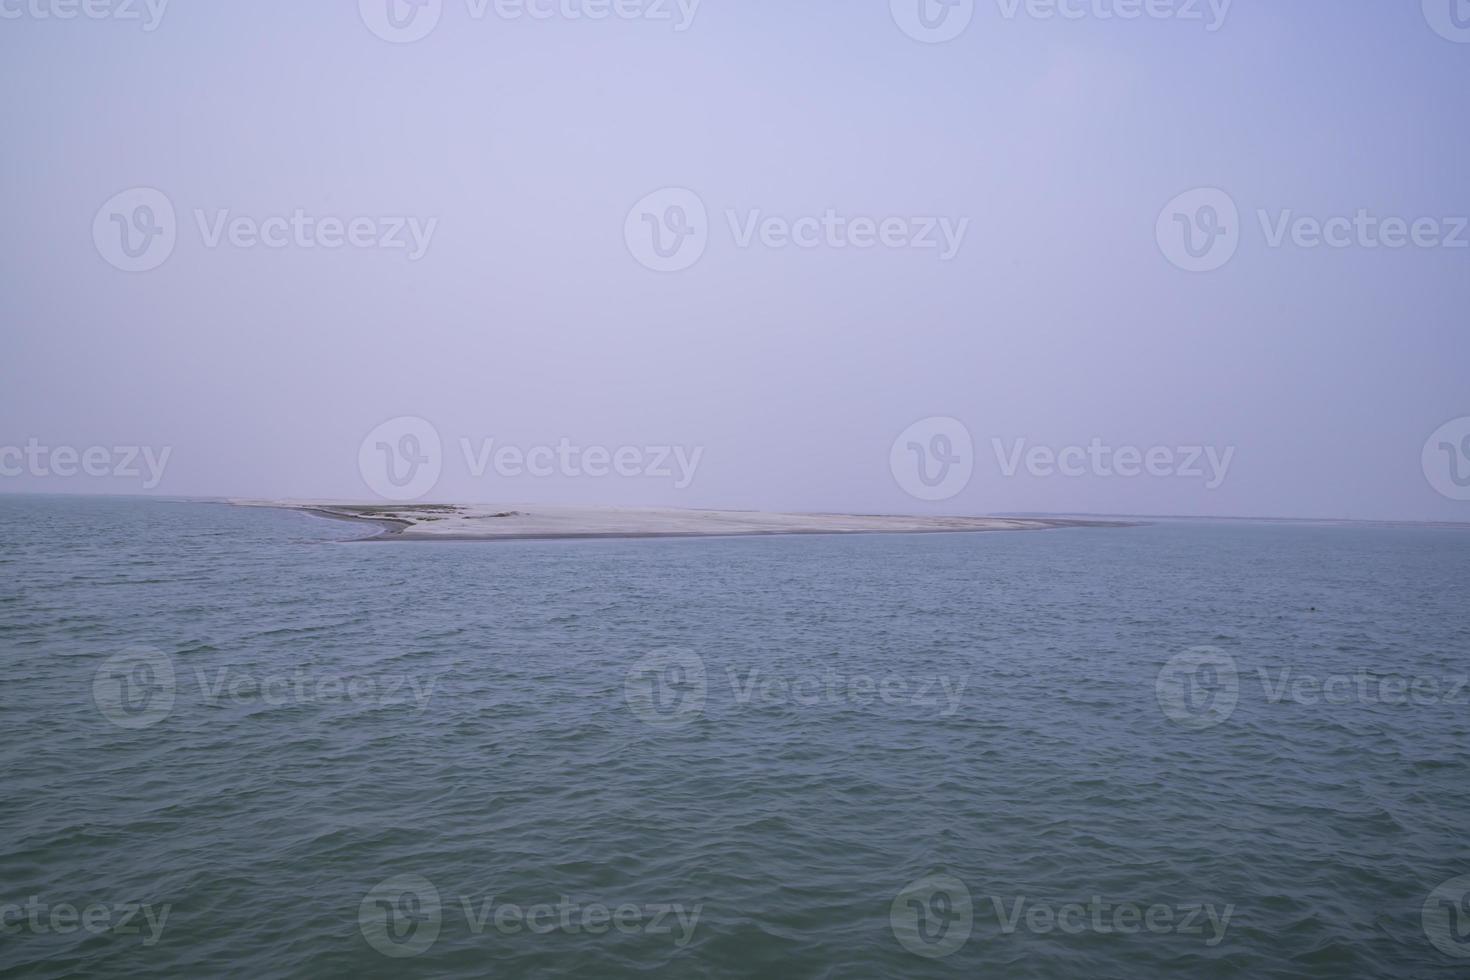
452, 522
389, 526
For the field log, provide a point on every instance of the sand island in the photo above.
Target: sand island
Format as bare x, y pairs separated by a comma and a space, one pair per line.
485, 522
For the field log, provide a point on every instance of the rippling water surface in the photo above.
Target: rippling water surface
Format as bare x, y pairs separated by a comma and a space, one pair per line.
808, 757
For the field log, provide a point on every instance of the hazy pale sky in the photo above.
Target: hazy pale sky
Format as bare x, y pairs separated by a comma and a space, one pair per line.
1058, 312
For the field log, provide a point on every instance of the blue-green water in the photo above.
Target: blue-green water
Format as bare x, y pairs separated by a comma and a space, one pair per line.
241, 745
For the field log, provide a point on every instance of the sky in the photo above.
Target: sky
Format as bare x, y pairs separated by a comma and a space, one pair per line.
1101, 256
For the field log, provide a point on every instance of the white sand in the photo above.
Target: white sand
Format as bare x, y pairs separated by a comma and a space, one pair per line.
483, 522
